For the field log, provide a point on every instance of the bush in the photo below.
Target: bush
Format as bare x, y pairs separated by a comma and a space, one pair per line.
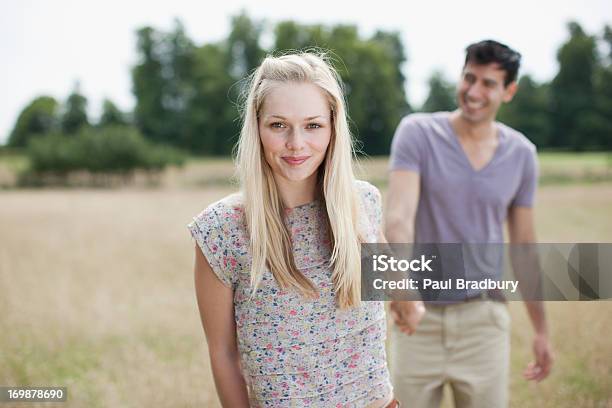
117, 149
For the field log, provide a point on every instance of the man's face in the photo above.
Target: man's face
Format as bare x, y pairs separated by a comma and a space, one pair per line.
481, 92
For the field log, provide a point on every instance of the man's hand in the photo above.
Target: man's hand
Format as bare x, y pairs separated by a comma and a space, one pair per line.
407, 315
539, 370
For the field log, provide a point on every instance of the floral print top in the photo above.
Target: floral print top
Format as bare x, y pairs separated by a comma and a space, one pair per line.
297, 352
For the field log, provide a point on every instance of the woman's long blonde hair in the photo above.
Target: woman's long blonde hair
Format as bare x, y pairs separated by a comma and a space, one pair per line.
270, 241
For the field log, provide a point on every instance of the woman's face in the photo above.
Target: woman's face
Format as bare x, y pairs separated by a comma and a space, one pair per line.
295, 129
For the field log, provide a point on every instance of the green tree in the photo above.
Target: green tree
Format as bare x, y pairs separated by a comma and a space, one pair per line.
148, 85
603, 87
572, 91
395, 48
291, 36
374, 84
74, 115
243, 43
36, 119
111, 115
441, 94
163, 84
111, 149
529, 111
377, 100
212, 118
186, 95
179, 57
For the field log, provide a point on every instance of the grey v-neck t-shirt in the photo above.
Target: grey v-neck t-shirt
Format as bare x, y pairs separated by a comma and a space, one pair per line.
458, 204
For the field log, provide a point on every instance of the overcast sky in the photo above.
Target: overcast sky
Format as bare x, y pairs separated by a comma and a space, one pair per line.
48, 45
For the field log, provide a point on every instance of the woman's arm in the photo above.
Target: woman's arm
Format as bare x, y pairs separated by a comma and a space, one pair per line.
216, 304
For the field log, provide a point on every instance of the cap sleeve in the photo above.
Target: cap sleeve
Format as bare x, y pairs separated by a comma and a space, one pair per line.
207, 231
372, 201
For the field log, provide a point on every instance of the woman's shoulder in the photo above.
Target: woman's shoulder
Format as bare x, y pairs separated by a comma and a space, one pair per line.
371, 202
368, 192
226, 213
218, 231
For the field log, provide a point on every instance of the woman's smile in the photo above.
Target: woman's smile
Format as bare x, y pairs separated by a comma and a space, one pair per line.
295, 160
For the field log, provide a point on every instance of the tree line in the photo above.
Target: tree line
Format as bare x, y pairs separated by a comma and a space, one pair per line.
573, 111
187, 94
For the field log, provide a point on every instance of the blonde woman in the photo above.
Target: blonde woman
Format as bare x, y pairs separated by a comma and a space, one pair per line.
277, 267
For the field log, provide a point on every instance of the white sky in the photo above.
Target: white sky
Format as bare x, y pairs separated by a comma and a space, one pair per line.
48, 45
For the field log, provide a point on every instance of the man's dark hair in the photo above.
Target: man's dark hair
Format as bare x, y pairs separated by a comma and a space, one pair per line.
488, 51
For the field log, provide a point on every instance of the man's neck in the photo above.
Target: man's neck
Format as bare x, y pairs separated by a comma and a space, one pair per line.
476, 132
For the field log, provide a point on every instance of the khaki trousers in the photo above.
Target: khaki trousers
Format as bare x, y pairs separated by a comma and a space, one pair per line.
466, 345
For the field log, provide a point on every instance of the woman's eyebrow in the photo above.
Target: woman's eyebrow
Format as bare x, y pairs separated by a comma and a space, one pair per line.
308, 118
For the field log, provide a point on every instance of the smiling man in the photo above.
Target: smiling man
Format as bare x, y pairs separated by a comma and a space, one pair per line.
457, 177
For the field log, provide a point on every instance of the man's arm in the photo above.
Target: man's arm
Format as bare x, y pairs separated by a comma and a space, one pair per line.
521, 230
402, 202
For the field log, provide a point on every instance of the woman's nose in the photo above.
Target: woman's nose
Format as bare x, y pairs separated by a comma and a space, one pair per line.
295, 140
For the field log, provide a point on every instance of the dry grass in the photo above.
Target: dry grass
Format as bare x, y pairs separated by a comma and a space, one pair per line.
555, 168
96, 294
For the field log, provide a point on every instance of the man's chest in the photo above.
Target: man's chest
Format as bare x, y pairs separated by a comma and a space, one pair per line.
448, 178
478, 154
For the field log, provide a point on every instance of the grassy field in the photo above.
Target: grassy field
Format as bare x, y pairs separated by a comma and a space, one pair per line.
555, 168
96, 293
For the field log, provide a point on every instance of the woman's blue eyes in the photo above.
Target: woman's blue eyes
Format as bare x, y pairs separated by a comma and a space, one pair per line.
279, 125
